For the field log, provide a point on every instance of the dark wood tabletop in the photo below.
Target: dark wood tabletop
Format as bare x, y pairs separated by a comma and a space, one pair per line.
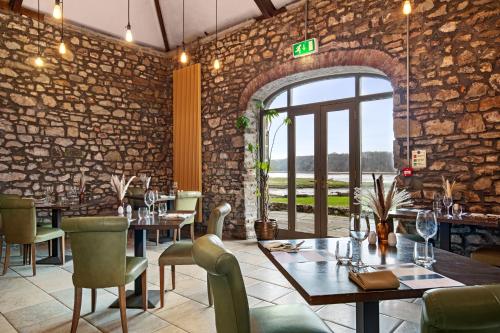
162, 198
171, 220
325, 282
481, 220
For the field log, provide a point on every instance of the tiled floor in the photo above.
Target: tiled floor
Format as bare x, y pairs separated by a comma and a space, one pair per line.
44, 303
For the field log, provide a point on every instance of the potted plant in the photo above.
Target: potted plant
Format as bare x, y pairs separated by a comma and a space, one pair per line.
265, 228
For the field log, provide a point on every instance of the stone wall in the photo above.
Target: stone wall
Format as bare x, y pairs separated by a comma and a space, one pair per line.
102, 107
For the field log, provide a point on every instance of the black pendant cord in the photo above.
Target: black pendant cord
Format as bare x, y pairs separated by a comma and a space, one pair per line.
38, 27
216, 26
183, 18
62, 21
128, 13
305, 19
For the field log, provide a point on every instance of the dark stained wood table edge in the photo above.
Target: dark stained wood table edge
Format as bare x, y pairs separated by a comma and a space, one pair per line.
486, 221
370, 296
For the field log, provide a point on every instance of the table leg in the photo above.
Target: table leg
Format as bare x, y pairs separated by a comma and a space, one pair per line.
55, 259
367, 317
444, 236
134, 298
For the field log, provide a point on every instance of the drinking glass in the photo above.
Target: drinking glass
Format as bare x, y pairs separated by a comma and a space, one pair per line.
437, 207
49, 189
162, 208
456, 210
343, 257
427, 228
448, 202
142, 213
359, 229
149, 200
421, 252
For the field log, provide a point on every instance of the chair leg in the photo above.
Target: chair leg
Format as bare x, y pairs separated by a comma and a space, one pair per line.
162, 286
28, 254
172, 268
174, 239
62, 246
93, 299
24, 251
144, 282
179, 235
122, 299
210, 300
7, 258
1, 247
33, 258
50, 247
192, 232
157, 237
76, 309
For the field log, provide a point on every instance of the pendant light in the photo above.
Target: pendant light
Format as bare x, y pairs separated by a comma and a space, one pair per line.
57, 12
407, 7
38, 59
62, 46
184, 57
128, 33
216, 61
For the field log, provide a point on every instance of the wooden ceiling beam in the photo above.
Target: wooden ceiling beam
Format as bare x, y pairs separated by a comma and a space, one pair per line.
162, 24
16, 5
267, 8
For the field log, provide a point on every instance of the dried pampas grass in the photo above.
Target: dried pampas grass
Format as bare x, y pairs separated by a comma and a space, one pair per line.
120, 186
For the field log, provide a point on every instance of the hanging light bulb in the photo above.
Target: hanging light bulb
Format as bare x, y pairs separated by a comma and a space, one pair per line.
38, 61
128, 34
184, 57
216, 64
62, 48
56, 13
407, 7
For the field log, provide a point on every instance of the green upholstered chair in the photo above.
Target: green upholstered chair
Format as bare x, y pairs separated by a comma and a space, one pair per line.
473, 309
489, 255
187, 200
232, 314
136, 203
19, 227
4, 196
99, 246
180, 253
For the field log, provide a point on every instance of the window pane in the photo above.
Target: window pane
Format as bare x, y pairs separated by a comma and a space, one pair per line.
374, 85
279, 101
324, 90
377, 137
278, 175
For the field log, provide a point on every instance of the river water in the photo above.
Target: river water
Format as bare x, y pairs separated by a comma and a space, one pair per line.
367, 181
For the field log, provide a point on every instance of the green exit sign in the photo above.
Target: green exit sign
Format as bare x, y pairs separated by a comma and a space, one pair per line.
306, 47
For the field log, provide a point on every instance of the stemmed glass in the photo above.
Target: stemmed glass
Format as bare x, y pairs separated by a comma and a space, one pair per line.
149, 200
49, 189
448, 202
427, 228
162, 208
359, 229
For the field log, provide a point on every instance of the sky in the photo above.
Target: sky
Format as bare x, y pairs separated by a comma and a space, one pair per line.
376, 117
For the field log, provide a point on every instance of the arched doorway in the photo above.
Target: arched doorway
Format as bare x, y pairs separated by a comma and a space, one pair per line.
341, 131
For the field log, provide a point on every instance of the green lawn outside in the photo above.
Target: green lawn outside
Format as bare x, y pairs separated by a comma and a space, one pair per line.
333, 201
304, 183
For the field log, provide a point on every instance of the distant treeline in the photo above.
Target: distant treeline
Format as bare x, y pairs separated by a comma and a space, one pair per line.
374, 161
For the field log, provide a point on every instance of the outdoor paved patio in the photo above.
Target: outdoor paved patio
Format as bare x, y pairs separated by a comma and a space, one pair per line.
338, 226
44, 303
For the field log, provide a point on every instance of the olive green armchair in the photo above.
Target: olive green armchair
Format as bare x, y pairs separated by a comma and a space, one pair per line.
19, 227
99, 246
473, 309
136, 203
232, 314
2, 197
180, 253
187, 200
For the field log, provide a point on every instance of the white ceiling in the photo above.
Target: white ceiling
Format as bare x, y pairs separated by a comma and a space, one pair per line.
110, 16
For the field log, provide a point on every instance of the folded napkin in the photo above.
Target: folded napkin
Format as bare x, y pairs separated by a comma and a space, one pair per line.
284, 246
173, 216
375, 280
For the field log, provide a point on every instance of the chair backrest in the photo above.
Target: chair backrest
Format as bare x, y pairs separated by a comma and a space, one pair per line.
2, 197
224, 275
136, 191
187, 200
99, 246
216, 219
18, 220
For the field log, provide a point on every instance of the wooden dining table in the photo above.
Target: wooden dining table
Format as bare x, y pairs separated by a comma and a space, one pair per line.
445, 223
325, 282
172, 220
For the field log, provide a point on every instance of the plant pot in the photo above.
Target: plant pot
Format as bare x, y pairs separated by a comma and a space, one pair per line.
383, 230
266, 230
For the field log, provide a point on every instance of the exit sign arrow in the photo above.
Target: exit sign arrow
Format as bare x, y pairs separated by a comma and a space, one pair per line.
306, 47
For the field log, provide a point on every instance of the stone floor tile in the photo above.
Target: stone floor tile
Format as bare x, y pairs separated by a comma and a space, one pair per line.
401, 310
59, 324
172, 300
191, 316
50, 278
5, 326
295, 297
67, 297
170, 329
18, 293
35, 314
108, 320
271, 276
336, 328
408, 327
267, 291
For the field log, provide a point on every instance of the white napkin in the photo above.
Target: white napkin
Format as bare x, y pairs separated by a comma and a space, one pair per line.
284, 246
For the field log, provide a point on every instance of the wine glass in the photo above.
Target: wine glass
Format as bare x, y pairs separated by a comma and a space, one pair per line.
456, 210
448, 202
49, 189
149, 200
162, 208
359, 229
427, 228
142, 213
